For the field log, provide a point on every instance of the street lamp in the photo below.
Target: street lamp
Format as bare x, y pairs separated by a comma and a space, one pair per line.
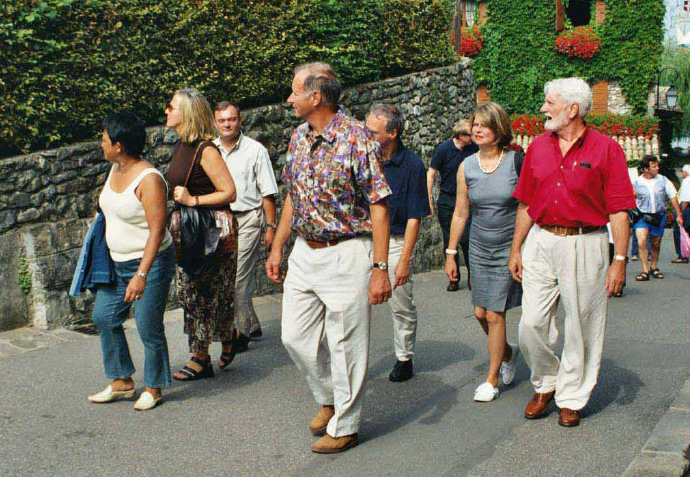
672, 97
672, 93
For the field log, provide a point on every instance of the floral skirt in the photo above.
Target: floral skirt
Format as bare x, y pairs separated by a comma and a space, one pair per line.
208, 301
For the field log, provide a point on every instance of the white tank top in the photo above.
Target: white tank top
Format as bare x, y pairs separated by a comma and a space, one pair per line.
126, 229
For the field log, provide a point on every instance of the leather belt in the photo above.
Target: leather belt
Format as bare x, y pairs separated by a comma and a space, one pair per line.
328, 243
566, 231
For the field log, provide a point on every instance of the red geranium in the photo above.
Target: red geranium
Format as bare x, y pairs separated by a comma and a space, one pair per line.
471, 41
581, 42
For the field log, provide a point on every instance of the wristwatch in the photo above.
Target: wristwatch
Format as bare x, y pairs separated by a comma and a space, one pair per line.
383, 266
142, 274
620, 258
271, 225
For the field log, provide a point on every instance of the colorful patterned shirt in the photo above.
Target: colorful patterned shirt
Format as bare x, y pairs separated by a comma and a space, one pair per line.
332, 178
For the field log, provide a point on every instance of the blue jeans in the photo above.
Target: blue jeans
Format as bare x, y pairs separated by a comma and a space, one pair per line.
111, 311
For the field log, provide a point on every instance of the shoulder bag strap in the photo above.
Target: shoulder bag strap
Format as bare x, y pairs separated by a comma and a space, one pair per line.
189, 172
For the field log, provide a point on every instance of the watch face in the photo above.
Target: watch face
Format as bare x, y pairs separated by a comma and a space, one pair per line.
381, 266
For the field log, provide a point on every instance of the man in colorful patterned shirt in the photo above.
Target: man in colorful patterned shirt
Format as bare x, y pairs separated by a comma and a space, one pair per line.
337, 204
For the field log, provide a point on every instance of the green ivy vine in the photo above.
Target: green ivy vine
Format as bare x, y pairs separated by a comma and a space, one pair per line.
518, 57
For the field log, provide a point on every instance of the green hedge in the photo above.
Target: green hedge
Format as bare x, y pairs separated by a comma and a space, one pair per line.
65, 64
518, 57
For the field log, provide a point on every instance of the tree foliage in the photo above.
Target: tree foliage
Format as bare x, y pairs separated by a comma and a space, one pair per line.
65, 64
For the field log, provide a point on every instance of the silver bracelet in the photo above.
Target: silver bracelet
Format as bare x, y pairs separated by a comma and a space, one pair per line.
450, 251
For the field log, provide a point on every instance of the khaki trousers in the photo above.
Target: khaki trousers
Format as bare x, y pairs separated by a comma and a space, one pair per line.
325, 324
249, 242
403, 308
572, 269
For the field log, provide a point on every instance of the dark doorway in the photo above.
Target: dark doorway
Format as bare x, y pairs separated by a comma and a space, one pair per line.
579, 12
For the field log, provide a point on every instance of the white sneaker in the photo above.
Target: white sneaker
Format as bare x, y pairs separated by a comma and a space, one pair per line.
146, 401
508, 367
108, 395
485, 393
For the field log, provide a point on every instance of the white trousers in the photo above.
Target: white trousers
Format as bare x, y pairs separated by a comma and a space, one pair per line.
572, 269
249, 242
403, 308
325, 324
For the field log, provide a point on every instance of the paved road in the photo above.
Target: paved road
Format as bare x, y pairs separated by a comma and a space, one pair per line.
251, 419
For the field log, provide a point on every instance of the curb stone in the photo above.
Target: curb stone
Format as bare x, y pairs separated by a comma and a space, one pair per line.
667, 451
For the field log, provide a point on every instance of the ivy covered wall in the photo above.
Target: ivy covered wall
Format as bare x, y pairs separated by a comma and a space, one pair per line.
518, 55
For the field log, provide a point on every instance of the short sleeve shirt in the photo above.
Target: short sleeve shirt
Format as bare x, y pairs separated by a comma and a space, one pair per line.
579, 189
332, 178
406, 177
446, 160
251, 170
684, 194
652, 194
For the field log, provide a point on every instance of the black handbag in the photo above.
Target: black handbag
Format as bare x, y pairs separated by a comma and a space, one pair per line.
652, 219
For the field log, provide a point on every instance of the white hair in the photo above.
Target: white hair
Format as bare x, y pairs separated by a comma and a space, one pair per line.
686, 168
572, 90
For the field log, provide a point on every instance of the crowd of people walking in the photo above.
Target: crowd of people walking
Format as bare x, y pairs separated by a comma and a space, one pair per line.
532, 228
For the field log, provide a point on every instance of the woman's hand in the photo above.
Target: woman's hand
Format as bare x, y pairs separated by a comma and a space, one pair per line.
451, 268
135, 288
181, 195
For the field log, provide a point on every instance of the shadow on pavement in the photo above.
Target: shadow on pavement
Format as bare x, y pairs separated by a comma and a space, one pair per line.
616, 385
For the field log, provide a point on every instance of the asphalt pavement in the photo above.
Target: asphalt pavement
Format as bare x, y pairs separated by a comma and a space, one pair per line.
251, 420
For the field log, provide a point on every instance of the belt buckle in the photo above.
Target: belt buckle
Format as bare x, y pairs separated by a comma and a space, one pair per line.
560, 231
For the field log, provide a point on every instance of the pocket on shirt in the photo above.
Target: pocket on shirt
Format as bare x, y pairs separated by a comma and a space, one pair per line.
584, 179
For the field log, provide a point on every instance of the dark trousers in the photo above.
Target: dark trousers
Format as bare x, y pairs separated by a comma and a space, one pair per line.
444, 210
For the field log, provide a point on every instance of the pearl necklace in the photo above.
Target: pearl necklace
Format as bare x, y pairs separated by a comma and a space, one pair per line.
498, 164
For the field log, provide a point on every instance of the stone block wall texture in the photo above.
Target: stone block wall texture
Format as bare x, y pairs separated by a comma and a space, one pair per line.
47, 198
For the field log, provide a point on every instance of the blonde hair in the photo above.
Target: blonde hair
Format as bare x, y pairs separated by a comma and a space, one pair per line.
196, 116
493, 116
461, 127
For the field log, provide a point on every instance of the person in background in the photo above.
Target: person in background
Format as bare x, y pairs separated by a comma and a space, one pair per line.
133, 202
683, 201
652, 191
405, 174
486, 181
251, 169
446, 159
200, 178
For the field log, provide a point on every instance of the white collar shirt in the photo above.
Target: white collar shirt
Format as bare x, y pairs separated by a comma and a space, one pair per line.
250, 167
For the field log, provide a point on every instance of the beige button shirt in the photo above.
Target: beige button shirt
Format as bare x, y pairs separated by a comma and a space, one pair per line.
250, 167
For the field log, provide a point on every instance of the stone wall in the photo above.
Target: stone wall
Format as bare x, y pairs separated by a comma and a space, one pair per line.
47, 198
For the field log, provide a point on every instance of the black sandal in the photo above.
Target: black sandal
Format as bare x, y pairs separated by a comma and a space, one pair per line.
192, 374
642, 277
657, 274
679, 260
226, 357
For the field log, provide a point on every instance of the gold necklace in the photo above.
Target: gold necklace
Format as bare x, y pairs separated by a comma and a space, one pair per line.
479, 160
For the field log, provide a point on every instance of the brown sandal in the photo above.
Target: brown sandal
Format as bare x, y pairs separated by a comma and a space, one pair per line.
657, 274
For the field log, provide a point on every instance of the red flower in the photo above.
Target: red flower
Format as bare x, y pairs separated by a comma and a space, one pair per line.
471, 41
580, 42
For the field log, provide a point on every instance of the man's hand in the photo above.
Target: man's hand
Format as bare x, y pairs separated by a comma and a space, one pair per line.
615, 278
515, 265
268, 237
451, 268
379, 287
402, 273
273, 266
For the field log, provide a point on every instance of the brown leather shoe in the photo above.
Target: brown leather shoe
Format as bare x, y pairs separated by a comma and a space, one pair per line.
569, 418
318, 425
333, 445
537, 406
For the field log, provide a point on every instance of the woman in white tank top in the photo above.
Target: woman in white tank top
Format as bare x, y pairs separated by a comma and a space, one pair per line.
133, 201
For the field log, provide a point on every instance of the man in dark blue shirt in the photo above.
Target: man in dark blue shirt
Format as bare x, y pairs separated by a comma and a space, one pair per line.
447, 159
409, 203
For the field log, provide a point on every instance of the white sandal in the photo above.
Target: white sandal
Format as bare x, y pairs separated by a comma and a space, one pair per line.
146, 401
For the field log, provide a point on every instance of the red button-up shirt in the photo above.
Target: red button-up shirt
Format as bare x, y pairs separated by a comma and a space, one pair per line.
580, 189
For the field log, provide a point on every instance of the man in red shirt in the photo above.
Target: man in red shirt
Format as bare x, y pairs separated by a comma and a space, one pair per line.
573, 181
